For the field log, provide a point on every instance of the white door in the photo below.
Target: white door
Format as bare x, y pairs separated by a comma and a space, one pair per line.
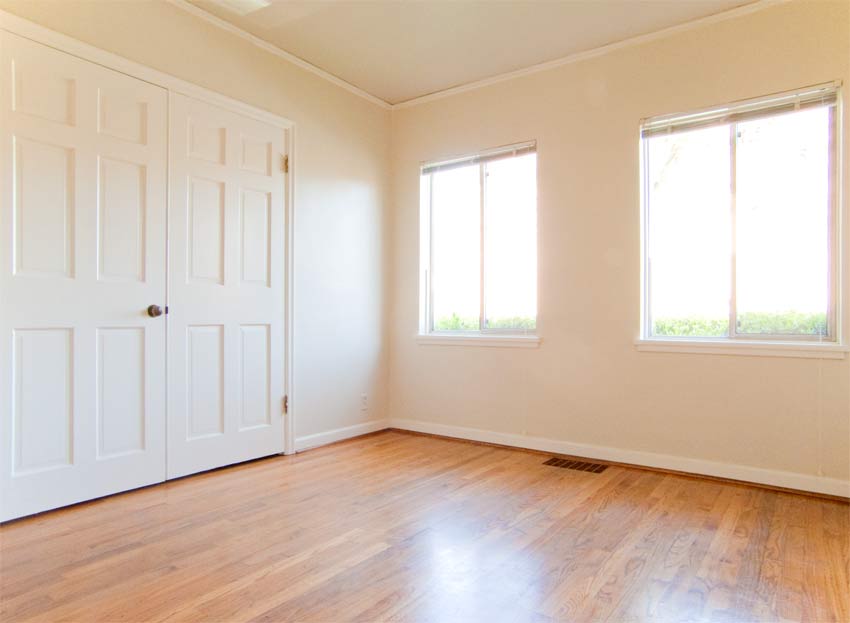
226, 299
82, 255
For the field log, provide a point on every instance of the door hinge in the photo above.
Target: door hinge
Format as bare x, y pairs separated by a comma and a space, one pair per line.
285, 405
284, 163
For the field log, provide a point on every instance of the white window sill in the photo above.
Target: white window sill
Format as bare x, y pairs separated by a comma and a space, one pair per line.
471, 339
752, 348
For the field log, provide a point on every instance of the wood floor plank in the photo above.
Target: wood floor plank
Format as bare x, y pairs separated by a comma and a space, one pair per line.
399, 527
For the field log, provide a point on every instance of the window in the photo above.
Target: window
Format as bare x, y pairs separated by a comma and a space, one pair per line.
479, 243
739, 217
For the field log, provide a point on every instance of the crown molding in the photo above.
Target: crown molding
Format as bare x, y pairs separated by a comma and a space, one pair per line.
273, 49
746, 9
740, 11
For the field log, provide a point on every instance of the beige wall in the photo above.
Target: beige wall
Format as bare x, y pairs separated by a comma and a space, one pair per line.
342, 179
586, 383
357, 246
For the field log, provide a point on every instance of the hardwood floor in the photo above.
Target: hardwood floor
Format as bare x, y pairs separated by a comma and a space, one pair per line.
398, 527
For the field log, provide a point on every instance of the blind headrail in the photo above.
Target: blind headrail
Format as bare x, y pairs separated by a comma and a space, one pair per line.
500, 153
809, 97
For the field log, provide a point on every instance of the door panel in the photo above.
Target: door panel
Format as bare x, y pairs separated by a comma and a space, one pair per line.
42, 399
122, 208
43, 85
82, 219
120, 391
122, 115
205, 236
255, 384
205, 381
44, 208
255, 213
226, 304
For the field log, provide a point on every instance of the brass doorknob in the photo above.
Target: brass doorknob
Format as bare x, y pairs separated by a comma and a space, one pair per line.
154, 311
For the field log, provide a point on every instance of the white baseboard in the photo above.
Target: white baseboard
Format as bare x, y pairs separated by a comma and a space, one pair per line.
745, 473
338, 434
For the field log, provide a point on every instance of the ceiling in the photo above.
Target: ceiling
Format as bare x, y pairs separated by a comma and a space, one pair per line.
398, 50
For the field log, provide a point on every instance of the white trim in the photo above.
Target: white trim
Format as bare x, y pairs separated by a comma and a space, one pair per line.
273, 49
839, 285
338, 434
743, 473
241, 7
489, 340
594, 52
289, 300
751, 348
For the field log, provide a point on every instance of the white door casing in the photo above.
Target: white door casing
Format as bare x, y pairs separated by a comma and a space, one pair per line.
83, 223
226, 300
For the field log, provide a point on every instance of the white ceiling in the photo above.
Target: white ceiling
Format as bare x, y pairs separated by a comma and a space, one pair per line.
398, 50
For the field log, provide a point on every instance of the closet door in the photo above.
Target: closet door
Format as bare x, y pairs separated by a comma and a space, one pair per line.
83, 160
226, 305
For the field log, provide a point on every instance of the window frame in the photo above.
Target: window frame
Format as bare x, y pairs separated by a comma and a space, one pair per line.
829, 345
482, 336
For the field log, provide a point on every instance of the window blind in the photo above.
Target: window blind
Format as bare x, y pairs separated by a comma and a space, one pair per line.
490, 155
810, 97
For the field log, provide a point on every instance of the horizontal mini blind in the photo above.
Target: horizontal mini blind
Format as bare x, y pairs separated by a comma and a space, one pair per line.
809, 97
490, 155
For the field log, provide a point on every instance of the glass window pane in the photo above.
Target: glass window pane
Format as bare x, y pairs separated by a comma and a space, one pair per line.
455, 249
782, 224
510, 243
689, 232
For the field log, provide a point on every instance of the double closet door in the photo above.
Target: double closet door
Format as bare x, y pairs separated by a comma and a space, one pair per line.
141, 282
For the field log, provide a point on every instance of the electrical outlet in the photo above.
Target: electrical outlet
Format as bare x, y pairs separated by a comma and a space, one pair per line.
364, 402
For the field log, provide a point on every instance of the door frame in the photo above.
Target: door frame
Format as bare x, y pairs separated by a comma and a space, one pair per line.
172, 84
